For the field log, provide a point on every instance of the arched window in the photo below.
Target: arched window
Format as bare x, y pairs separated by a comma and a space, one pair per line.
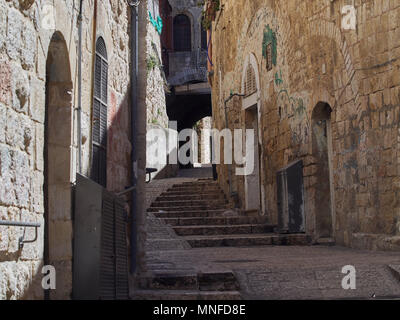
182, 33
99, 126
250, 84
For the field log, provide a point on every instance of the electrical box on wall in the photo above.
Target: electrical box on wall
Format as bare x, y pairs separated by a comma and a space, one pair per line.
100, 267
291, 214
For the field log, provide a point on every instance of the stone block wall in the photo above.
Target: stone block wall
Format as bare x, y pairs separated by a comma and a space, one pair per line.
27, 29
313, 60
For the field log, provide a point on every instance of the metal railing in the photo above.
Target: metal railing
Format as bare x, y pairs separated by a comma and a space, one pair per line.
21, 240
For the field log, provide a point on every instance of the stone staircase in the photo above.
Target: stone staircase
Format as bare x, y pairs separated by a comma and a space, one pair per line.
188, 286
200, 214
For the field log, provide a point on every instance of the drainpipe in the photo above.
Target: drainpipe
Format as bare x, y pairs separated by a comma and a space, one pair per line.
134, 133
232, 95
79, 117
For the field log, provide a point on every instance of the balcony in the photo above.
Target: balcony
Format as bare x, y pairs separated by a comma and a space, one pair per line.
186, 67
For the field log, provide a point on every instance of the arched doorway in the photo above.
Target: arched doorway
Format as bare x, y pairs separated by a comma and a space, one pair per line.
57, 155
322, 152
182, 33
254, 195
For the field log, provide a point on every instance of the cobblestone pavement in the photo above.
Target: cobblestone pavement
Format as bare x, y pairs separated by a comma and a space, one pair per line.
273, 272
310, 272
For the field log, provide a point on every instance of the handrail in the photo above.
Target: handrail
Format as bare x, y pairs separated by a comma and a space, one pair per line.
21, 240
19, 224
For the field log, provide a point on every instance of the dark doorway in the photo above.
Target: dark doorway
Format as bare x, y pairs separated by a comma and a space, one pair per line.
321, 147
182, 33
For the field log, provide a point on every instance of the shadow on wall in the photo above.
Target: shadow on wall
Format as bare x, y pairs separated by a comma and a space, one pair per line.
55, 239
157, 137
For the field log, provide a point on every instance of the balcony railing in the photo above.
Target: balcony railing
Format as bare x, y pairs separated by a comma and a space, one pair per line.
185, 67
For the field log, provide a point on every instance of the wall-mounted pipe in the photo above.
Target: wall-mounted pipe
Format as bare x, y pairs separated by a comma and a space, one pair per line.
21, 240
79, 116
134, 133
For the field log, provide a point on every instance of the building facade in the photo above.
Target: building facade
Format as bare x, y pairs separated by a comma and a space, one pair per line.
185, 55
323, 99
57, 120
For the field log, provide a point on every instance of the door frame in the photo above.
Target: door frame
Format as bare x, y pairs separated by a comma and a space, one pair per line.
250, 102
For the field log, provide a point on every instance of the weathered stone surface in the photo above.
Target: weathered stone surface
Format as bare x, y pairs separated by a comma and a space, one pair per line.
317, 61
27, 61
14, 280
37, 104
20, 88
5, 82
3, 231
14, 34
22, 182
28, 50
7, 194
3, 26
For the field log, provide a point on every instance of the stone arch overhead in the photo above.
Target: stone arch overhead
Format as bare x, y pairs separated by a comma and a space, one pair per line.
63, 26
330, 30
319, 27
322, 95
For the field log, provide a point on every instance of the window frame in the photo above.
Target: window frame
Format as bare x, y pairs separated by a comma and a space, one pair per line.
100, 102
185, 34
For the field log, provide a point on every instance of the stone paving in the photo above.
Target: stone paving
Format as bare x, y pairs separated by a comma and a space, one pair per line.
274, 272
159, 235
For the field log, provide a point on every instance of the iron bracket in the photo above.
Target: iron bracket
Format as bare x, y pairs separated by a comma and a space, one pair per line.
21, 240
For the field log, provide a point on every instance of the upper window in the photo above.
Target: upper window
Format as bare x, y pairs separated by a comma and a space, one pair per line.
100, 111
250, 85
182, 33
269, 57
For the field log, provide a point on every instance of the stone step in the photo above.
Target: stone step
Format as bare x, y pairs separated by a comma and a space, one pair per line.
170, 295
196, 192
217, 281
247, 240
188, 203
191, 197
169, 282
188, 208
199, 183
185, 191
213, 221
206, 281
188, 213
223, 230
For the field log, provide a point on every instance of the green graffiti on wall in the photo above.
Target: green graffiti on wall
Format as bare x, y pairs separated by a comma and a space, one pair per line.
278, 78
158, 24
270, 38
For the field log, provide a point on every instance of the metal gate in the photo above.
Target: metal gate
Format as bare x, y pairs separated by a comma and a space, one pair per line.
290, 184
100, 244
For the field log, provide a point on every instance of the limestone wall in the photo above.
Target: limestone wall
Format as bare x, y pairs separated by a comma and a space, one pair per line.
355, 71
26, 31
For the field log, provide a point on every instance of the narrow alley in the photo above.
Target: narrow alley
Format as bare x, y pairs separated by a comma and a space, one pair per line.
241, 150
201, 248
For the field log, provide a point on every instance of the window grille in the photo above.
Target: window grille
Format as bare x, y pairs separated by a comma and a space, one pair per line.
250, 83
100, 111
269, 57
